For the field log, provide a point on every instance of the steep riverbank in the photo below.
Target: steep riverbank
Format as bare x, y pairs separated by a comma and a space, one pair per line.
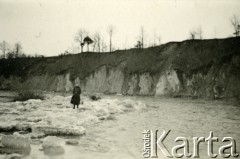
196, 68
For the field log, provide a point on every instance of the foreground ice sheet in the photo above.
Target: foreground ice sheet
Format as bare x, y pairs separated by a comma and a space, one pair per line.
119, 135
55, 116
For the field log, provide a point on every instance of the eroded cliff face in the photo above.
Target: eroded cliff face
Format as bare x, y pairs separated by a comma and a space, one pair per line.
103, 80
204, 69
64, 83
113, 81
168, 83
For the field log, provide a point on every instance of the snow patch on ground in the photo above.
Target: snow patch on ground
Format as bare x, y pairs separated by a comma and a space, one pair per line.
36, 119
57, 116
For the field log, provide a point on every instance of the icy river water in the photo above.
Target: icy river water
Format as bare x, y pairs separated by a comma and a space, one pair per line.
121, 137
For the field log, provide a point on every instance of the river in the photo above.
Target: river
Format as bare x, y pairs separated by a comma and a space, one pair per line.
122, 137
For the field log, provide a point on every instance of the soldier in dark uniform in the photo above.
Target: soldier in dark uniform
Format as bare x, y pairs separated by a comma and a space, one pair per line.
76, 96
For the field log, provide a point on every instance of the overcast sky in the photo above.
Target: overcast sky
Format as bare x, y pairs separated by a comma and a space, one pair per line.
48, 27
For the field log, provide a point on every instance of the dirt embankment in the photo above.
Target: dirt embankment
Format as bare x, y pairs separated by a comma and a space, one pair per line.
199, 68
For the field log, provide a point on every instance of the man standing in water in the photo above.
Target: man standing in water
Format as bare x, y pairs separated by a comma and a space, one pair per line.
76, 97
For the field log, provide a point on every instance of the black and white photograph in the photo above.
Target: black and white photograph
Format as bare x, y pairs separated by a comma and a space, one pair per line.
119, 79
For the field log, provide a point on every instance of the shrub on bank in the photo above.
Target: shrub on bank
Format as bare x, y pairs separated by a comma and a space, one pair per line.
26, 95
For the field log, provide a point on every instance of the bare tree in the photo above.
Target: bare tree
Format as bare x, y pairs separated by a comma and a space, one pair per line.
111, 29
94, 44
236, 25
196, 33
159, 40
80, 37
192, 34
4, 48
199, 32
142, 37
97, 41
18, 49
103, 46
154, 38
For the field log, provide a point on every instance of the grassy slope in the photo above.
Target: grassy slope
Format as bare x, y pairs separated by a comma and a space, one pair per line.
188, 56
